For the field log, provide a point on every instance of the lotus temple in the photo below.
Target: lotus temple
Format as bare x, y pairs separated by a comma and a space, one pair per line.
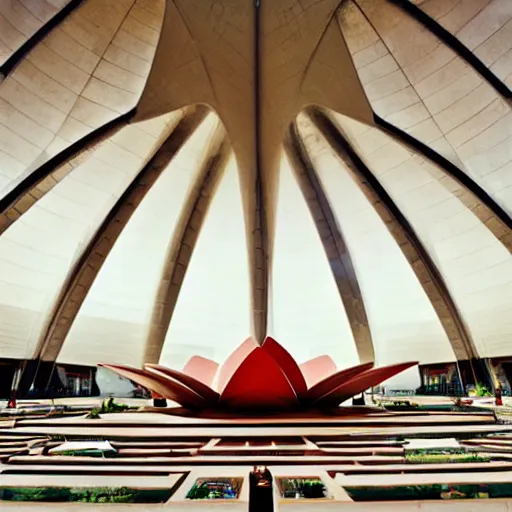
255, 255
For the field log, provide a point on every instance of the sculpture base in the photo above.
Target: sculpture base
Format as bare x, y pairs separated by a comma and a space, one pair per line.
355, 414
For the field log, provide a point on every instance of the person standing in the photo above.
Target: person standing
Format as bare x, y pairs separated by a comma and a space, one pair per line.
261, 496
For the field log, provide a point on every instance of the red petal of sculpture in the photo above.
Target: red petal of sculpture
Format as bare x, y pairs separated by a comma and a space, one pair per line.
202, 369
255, 378
333, 381
360, 383
317, 369
288, 365
234, 361
258, 383
211, 396
162, 385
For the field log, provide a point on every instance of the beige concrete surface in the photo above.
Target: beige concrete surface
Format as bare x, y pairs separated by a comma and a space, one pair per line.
149, 433
420, 85
208, 459
19, 20
375, 416
340, 500
432, 506
147, 482
425, 478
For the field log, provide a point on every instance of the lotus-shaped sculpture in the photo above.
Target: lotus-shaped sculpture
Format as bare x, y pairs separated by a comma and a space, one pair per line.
259, 378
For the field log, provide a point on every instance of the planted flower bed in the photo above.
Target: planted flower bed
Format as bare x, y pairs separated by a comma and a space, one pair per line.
430, 492
85, 495
302, 488
215, 489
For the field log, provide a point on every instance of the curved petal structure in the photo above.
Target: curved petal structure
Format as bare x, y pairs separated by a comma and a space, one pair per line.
317, 369
288, 365
258, 383
360, 383
161, 384
202, 369
234, 361
255, 378
178, 175
195, 385
334, 380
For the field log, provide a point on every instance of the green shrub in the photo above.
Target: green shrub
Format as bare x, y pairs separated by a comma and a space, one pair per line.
429, 492
94, 415
93, 495
34, 494
313, 489
309, 488
108, 406
482, 390
219, 488
199, 492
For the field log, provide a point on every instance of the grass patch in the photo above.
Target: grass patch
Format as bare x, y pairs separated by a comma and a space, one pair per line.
443, 456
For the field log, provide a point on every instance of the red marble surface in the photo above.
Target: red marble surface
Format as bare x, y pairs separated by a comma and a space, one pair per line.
234, 361
288, 365
258, 383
